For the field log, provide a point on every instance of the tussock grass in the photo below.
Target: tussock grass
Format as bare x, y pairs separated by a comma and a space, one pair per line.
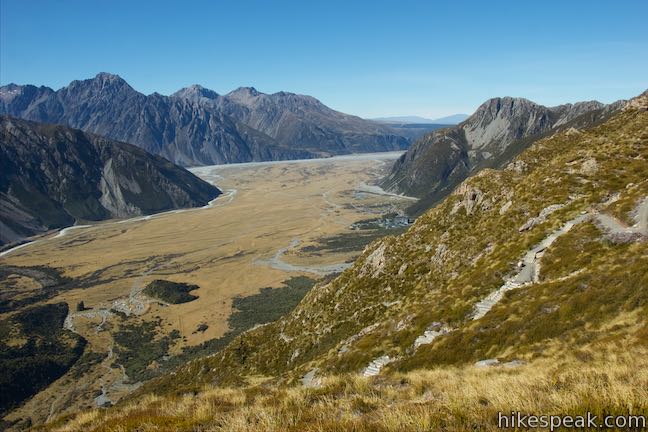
443, 398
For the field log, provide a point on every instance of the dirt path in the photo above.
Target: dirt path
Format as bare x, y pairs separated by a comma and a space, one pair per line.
616, 227
529, 269
103, 398
642, 218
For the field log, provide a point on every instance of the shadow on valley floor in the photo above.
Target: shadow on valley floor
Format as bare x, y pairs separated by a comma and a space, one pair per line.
24, 286
35, 350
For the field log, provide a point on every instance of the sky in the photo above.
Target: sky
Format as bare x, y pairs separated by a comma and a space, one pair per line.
377, 58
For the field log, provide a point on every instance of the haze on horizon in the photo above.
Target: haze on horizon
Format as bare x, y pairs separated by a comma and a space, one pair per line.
370, 59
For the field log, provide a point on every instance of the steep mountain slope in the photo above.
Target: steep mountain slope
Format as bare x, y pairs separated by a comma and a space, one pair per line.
52, 176
541, 265
496, 132
403, 119
196, 126
299, 121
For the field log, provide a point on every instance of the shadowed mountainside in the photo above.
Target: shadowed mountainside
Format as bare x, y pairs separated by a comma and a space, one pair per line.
52, 176
35, 350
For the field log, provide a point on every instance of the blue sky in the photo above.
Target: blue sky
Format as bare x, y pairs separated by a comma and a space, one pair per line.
366, 58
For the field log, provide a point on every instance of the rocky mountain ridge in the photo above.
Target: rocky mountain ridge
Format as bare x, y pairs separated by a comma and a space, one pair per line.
53, 176
498, 130
196, 126
300, 121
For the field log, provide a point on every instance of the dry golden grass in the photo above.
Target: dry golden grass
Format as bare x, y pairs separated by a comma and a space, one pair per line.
445, 398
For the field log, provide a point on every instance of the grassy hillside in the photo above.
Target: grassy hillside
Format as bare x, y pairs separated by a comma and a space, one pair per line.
566, 339
450, 399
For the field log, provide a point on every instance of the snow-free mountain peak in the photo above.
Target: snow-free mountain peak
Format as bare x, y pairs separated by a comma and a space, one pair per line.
196, 92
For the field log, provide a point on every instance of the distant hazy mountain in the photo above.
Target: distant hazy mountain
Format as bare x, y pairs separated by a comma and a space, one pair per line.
52, 176
414, 131
496, 132
403, 119
449, 120
196, 126
452, 119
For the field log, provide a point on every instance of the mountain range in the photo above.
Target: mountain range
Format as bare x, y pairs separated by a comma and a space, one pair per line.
492, 136
196, 126
53, 176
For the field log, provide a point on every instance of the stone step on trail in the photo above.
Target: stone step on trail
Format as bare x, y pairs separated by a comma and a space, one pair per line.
431, 334
376, 365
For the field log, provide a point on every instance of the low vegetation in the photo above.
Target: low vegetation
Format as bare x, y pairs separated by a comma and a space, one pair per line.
354, 241
141, 344
170, 292
363, 233
266, 306
269, 304
35, 350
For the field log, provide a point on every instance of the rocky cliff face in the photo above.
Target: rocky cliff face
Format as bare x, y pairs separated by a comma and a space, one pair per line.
196, 126
492, 136
52, 176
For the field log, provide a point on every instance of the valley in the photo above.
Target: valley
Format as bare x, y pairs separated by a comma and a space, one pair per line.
279, 225
323, 217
